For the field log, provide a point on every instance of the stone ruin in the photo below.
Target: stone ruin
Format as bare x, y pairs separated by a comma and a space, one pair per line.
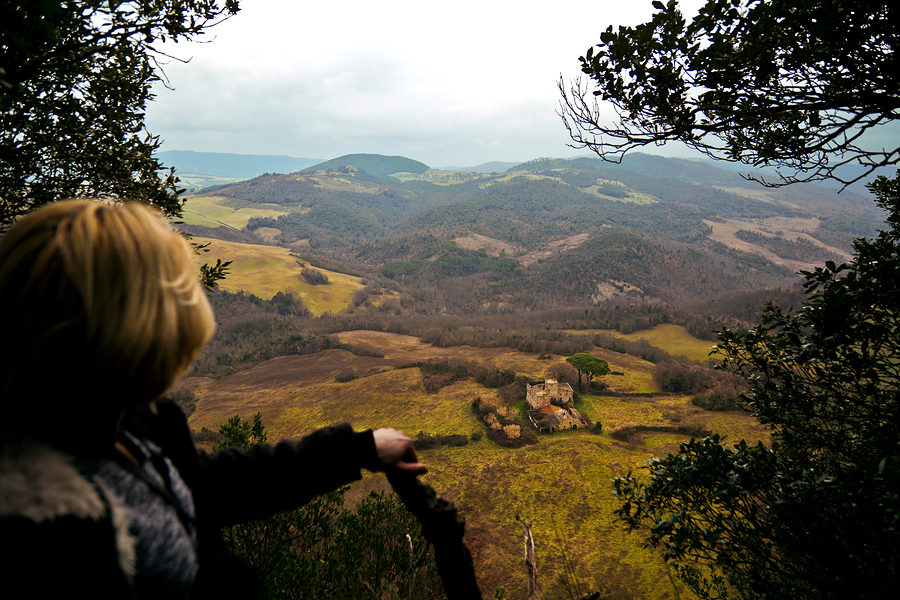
549, 392
551, 406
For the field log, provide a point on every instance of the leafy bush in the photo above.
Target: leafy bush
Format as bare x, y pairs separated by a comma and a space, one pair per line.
326, 550
344, 375
719, 398
314, 276
631, 435
425, 440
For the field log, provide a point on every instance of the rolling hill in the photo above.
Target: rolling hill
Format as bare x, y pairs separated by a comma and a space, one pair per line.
374, 164
675, 230
203, 169
504, 271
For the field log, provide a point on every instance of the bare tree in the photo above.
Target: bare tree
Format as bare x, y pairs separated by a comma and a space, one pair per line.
794, 84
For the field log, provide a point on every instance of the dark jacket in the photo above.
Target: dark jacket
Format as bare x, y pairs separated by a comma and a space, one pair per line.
62, 533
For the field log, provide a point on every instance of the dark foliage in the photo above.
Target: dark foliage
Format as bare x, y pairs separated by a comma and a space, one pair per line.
314, 276
795, 84
185, 399
588, 366
424, 440
798, 249
326, 550
75, 80
816, 514
373, 164
250, 330
631, 435
344, 375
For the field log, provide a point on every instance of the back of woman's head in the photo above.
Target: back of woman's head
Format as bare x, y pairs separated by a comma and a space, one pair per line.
101, 302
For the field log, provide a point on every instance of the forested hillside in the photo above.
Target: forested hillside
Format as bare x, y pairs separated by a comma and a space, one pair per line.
551, 232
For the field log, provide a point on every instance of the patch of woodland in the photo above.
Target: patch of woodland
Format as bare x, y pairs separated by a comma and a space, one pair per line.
464, 281
451, 260
184, 398
360, 349
841, 230
669, 271
505, 424
250, 330
441, 373
466, 301
314, 276
738, 310
423, 440
799, 249
640, 348
711, 389
632, 435
344, 375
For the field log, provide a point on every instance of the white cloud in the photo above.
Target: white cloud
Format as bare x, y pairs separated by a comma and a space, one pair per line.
446, 83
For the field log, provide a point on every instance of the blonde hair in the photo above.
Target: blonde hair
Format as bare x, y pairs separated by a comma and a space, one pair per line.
101, 301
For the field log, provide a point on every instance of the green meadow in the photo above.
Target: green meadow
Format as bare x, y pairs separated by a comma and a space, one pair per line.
561, 485
211, 211
266, 270
674, 339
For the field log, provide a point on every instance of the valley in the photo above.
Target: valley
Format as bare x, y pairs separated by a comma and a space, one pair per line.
560, 484
378, 291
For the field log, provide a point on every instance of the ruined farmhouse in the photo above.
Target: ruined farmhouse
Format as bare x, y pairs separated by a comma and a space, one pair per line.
547, 393
551, 406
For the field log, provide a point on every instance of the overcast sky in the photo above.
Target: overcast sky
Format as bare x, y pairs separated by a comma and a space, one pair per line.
448, 83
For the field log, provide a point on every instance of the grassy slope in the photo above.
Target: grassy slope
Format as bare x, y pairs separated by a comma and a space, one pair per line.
674, 339
561, 485
210, 211
266, 270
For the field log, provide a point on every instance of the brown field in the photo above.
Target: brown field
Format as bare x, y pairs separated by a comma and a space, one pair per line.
476, 241
561, 485
790, 228
554, 248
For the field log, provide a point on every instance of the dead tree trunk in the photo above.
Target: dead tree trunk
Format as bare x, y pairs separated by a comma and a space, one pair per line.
530, 565
444, 528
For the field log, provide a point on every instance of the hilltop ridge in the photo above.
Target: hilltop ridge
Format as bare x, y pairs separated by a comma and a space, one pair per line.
668, 230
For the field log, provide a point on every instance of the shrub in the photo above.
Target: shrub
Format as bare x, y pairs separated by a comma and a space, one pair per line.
184, 399
719, 398
514, 392
631, 435
426, 440
495, 377
344, 375
563, 372
314, 276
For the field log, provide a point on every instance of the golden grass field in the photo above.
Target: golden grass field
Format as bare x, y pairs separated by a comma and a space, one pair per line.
674, 339
266, 270
211, 211
560, 485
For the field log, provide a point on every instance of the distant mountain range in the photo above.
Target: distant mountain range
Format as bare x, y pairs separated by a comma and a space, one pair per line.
560, 230
235, 166
202, 169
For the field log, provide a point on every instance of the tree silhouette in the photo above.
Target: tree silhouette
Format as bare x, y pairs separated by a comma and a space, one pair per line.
794, 84
75, 79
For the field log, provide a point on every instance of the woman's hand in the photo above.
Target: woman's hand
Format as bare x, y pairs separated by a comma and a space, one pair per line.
395, 451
